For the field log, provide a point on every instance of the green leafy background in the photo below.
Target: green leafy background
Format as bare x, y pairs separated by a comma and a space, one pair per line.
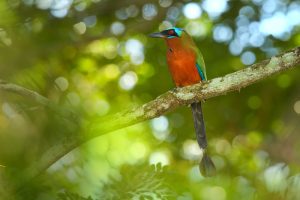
94, 57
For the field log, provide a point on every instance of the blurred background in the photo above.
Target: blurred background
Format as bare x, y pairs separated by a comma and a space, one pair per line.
94, 57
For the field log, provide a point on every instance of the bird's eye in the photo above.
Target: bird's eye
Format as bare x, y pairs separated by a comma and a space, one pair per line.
171, 32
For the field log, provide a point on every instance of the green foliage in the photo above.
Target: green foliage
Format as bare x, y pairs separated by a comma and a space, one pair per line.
139, 182
94, 58
71, 196
135, 182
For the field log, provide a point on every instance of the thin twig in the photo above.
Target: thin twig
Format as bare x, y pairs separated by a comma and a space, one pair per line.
37, 98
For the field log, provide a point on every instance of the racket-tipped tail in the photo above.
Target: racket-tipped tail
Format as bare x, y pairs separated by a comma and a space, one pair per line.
206, 166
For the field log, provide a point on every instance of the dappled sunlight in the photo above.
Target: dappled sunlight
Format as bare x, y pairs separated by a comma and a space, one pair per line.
160, 128
162, 157
136, 51
93, 58
215, 8
275, 177
191, 150
128, 80
192, 10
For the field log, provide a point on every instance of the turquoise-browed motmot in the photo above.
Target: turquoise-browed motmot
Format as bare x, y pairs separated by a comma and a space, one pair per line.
187, 67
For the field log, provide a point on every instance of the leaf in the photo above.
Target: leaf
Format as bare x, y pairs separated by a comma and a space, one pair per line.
71, 196
139, 182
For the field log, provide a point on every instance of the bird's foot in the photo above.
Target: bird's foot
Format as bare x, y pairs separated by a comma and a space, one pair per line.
174, 90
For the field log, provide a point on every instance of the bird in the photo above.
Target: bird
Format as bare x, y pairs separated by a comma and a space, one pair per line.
186, 65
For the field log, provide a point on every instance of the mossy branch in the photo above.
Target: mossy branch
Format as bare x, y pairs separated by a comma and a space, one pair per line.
201, 91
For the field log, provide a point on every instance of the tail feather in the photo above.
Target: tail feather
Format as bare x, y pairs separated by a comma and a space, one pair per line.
207, 167
199, 125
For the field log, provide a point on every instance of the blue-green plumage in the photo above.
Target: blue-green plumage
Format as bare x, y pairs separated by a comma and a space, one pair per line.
200, 72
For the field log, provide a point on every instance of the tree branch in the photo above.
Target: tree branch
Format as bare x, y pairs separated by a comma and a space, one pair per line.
170, 101
37, 98
187, 95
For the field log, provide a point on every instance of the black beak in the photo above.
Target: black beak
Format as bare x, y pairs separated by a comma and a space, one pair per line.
157, 35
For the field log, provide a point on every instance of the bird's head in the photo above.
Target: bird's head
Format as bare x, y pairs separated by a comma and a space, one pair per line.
168, 33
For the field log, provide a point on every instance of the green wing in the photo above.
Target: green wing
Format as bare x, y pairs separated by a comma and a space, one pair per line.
199, 61
201, 65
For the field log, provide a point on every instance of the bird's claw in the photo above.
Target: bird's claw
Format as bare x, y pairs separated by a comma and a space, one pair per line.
174, 90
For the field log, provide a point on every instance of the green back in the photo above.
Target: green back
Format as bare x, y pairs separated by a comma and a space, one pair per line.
201, 65
187, 39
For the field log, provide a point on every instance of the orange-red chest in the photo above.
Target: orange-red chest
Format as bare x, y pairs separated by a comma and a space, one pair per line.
181, 61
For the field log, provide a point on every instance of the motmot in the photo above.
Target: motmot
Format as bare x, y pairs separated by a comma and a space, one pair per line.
186, 65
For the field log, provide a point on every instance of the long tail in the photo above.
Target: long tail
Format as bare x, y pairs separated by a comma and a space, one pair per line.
207, 167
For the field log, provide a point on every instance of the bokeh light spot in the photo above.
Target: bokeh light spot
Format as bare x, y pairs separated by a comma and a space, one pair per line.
165, 25
71, 175
80, 6
90, 21
254, 102
284, 81
195, 28
111, 71
213, 193
235, 47
28, 2
275, 177
223, 147
106, 47
60, 8
192, 10
132, 11
173, 13
101, 107
149, 11
222, 33
165, 3
136, 51
160, 127
159, 157
257, 2
80, 28
44, 4
62, 83
8, 110
194, 176
117, 28
269, 6
247, 11
276, 25
293, 15
138, 150
160, 124
219, 162
122, 14
297, 107
128, 80
59, 13
215, 8
257, 39
73, 98
248, 58
191, 150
